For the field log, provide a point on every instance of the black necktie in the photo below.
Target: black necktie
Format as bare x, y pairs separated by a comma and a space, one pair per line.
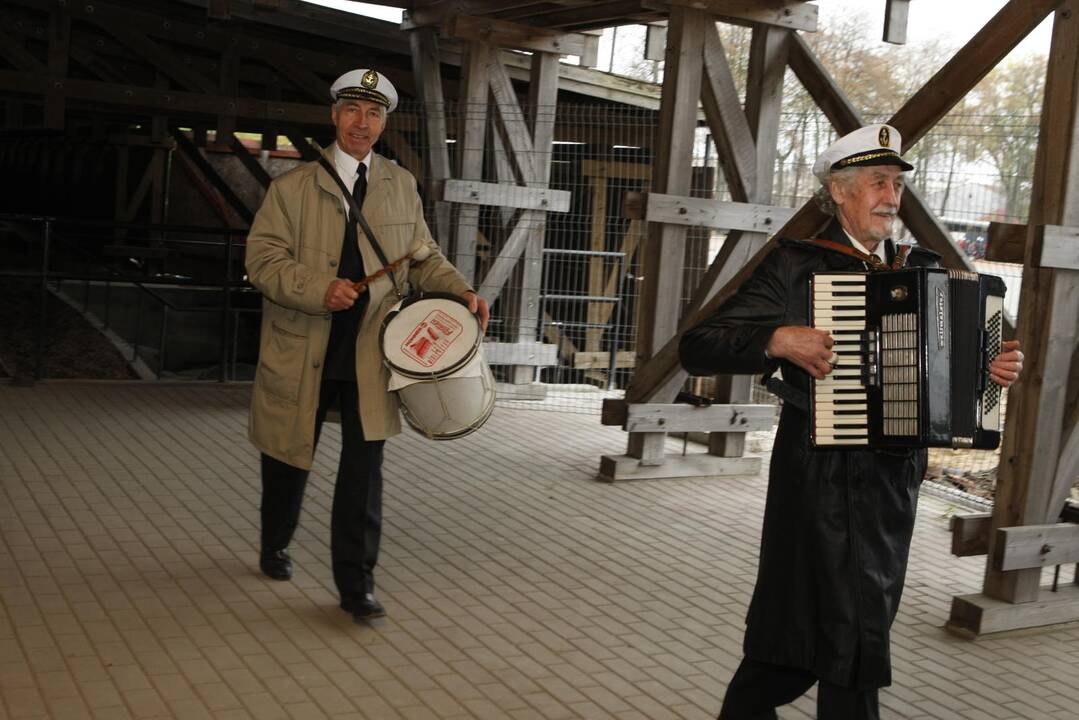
359, 190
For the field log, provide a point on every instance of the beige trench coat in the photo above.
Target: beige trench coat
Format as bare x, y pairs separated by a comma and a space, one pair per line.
292, 255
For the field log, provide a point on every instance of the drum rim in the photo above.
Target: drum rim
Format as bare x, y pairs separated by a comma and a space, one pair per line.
416, 374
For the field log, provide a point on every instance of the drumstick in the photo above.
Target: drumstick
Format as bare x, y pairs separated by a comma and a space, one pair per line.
419, 254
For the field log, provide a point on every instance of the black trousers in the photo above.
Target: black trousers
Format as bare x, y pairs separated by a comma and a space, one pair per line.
356, 521
758, 688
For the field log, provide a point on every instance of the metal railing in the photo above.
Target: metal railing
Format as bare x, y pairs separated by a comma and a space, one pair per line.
152, 259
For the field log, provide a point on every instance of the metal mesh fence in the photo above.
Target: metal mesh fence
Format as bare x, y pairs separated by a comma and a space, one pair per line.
568, 278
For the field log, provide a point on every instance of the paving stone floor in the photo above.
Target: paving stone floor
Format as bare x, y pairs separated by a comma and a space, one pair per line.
517, 586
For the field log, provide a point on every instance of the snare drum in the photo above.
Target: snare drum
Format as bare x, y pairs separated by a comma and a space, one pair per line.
431, 345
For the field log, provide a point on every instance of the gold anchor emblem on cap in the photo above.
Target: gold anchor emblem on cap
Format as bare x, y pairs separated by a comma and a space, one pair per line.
369, 79
884, 137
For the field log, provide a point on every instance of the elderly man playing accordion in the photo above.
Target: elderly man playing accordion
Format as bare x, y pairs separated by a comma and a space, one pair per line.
837, 522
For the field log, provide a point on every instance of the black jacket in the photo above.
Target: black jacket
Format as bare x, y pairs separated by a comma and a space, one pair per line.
837, 524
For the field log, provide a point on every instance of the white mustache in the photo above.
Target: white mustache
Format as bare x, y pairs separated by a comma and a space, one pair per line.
886, 212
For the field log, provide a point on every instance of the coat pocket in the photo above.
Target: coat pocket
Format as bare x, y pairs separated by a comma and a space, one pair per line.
282, 362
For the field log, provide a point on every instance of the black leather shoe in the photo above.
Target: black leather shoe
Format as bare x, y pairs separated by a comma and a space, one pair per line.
276, 564
363, 607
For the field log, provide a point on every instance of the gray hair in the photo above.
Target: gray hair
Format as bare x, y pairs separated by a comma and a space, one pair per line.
823, 196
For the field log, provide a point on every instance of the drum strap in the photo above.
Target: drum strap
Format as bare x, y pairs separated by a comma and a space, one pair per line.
387, 267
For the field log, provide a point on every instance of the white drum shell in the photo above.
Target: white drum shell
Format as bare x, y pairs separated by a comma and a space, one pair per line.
450, 407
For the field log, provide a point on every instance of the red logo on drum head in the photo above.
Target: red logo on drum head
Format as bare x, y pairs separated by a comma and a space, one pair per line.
431, 338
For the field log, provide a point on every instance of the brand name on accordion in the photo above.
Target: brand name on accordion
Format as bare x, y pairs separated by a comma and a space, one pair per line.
940, 318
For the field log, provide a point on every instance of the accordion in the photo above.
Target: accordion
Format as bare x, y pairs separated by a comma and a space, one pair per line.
911, 355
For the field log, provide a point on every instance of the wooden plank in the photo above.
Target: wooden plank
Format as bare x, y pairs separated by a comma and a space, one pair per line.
472, 192
614, 468
520, 353
601, 360
616, 169
1036, 546
702, 212
504, 33
730, 129
895, 21
173, 101
655, 40
1057, 247
680, 417
970, 533
791, 15
977, 615
1006, 242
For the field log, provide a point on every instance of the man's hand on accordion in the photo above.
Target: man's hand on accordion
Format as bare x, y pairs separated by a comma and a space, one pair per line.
1005, 367
806, 347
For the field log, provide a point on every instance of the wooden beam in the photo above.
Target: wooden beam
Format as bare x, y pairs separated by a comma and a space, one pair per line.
192, 153
680, 417
787, 14
616, 169
471, 192
248, 161
495, 280
470, 141
1028, 489
1056, 247
970, 533
1036, 546
1006, 242
427, 68
172, 101
730, 129
702, 212
895, 21
307, 150
664, 253
973, 616
504, 33
513, 120
158, 56
601, 360
11, 49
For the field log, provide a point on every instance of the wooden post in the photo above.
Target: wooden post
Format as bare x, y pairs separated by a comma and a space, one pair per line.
542, 102
1047, 326
470, 151
764, 100
427, 70
664, 253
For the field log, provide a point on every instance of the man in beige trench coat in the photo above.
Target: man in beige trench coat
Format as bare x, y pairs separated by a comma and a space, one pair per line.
319, 345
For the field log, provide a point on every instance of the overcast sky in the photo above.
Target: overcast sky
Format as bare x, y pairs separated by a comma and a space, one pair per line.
953, 20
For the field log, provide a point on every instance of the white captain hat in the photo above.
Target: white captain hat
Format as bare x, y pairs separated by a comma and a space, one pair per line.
870, 145
365, 84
